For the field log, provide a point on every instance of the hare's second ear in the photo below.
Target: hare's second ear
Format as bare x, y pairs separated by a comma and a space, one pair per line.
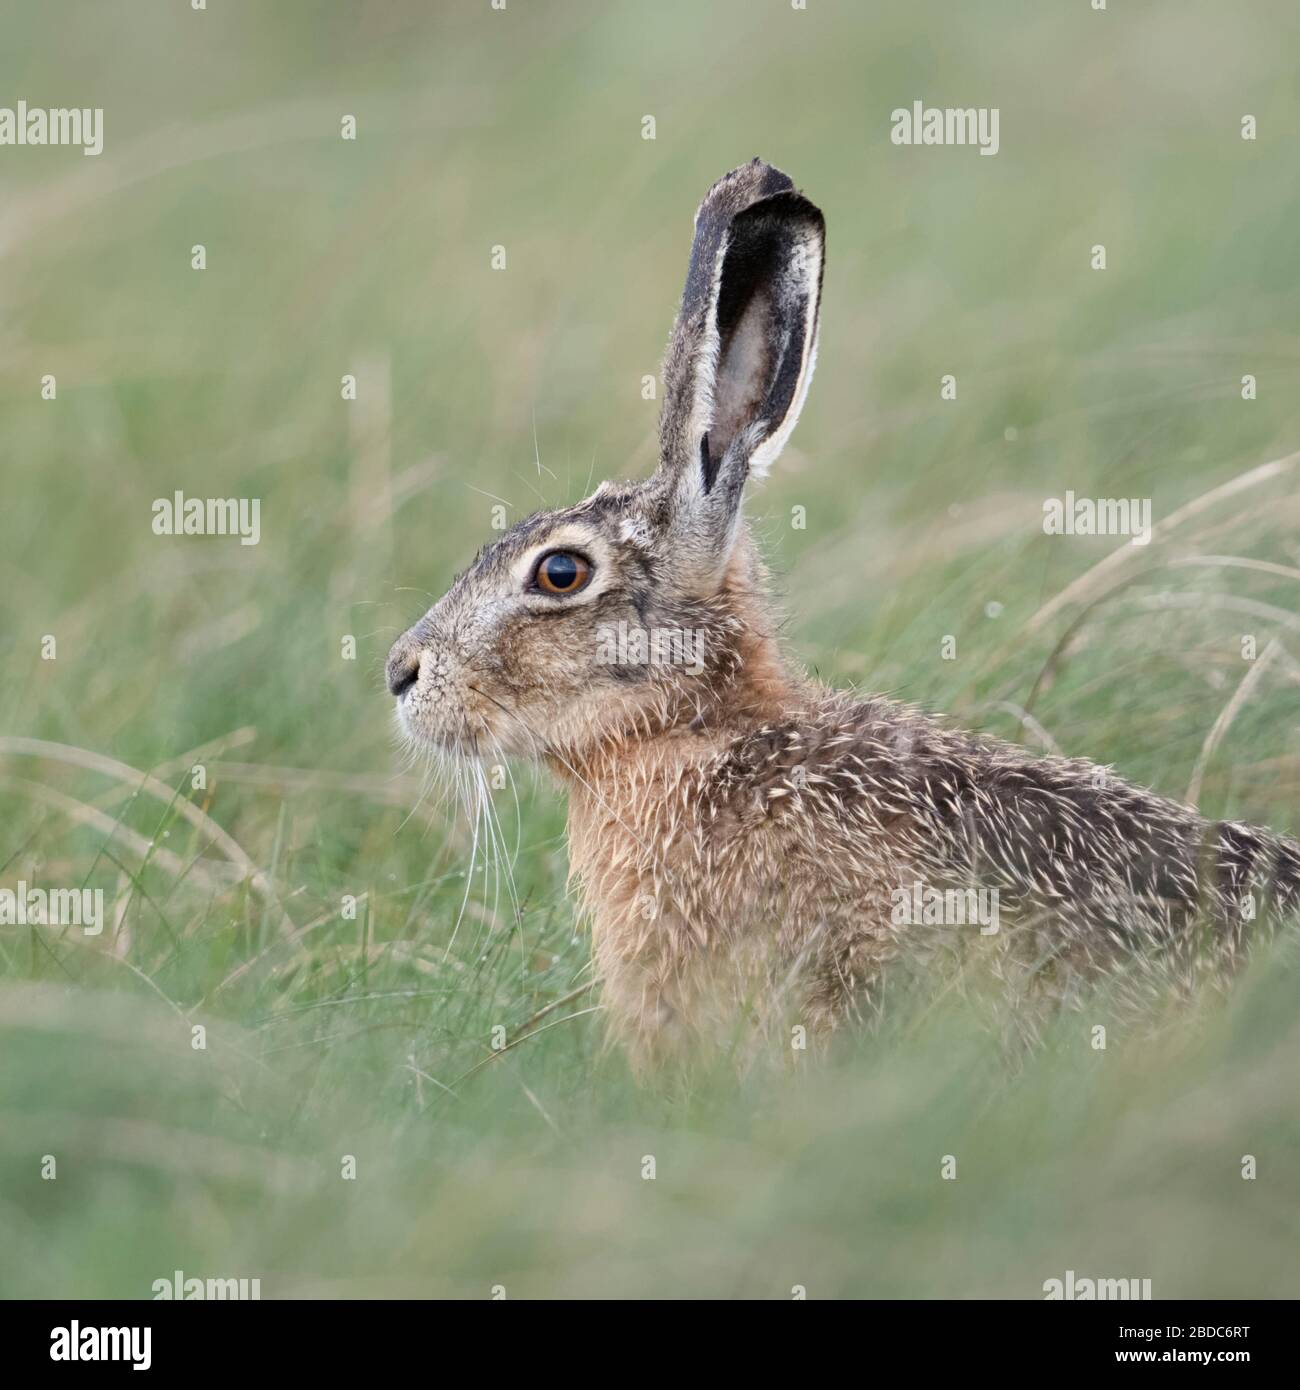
743, 347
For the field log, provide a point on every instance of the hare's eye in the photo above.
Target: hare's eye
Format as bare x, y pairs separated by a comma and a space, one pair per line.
562, 572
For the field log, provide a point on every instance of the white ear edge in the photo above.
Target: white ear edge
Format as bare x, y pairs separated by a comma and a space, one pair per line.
690, 485
762, 459
765, 454
706, 374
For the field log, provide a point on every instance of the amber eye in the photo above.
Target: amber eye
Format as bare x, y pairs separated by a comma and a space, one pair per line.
562, 572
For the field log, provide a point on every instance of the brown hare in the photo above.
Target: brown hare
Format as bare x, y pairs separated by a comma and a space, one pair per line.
748, 842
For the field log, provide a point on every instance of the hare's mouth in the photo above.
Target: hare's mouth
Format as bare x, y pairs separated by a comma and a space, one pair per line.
464, 741
431, 724
467, 722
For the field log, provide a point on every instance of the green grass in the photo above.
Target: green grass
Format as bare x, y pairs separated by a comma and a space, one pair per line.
330, 1035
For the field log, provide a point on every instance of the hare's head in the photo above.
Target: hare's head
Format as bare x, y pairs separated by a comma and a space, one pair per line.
636, 607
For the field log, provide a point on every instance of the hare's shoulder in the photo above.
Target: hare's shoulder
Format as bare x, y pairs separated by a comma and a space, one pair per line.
833, 735
831, 749
884, 760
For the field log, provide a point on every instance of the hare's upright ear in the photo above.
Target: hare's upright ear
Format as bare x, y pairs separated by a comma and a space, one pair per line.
742, 350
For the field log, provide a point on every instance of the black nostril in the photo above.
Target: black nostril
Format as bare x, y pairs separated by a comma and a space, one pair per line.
403, 672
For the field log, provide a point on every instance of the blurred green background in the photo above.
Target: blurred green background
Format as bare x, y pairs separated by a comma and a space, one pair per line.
332, 1036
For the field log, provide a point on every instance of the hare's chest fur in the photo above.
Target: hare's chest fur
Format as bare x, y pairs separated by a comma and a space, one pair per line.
728, 875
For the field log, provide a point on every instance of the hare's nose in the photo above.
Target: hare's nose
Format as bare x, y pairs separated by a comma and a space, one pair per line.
403, 667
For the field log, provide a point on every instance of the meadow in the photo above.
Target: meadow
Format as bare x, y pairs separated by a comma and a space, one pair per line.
203, 743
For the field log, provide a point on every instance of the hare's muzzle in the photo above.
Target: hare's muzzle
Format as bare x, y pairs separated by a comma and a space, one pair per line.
425, 677
403, 668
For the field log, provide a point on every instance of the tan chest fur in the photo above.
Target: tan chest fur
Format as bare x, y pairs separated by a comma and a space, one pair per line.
718, 895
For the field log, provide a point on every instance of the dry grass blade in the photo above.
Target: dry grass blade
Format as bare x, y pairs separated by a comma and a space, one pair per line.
1254, 674
110, 767
1087, 583
215, 876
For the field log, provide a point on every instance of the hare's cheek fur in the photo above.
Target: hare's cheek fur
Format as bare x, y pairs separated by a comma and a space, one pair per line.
515, 676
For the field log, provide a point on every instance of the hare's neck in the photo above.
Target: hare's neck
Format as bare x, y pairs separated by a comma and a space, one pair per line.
689, 724
744, 685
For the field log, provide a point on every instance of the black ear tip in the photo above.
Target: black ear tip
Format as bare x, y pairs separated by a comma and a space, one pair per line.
787, 205
743, 186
